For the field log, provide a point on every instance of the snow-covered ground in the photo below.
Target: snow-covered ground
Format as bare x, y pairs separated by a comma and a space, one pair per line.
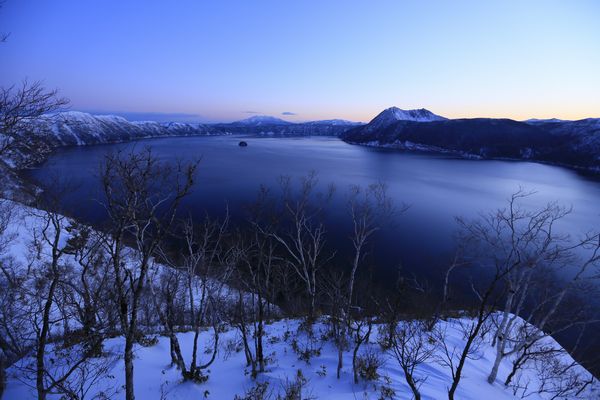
155, 378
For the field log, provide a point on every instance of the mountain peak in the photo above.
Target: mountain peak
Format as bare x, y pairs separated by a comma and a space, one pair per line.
257, 120
392, 115
419, 115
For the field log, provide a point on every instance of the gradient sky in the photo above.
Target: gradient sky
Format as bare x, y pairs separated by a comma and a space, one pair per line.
224, 60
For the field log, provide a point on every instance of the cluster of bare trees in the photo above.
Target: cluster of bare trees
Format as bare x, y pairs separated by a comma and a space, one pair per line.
77, 285
20, 106
524, 275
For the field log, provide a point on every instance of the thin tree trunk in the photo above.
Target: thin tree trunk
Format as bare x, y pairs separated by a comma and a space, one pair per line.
411, 383
129, 393
41, 348
354, 367
340, 358
461, 362
259, 336
2, 376
193, 363
176, 356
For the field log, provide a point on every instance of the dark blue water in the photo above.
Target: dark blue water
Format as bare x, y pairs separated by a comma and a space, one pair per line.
437, 188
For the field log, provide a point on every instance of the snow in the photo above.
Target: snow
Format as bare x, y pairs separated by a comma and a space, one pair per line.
392, 115
229, 376
339, 122
536, 120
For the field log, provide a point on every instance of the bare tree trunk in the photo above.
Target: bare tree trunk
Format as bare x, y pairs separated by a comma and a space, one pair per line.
340, 364
354, 366
259, 336
43, 338
2, 376
411, 383
129, 393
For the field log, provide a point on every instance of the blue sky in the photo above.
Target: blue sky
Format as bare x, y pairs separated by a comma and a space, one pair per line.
222, 60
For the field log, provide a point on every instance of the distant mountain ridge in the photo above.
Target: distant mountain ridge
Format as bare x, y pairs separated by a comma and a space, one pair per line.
570, 143
258, 120
267, 125
74, 128
266, 120
79, 128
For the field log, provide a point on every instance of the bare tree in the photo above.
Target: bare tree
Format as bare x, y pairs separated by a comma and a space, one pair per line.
335, 284
9, 282
89, 292
369, 210
191, 290
20, 106
301, 232
527, 242
46, 283
207, 265
90, 380
487, 293
142, 196
412, 344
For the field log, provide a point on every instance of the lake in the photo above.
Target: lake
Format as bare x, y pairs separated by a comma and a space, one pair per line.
437, 188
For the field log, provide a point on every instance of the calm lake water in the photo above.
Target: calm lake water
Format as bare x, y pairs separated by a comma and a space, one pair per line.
437, 188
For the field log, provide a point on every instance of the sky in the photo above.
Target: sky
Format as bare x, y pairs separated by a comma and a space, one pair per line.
305, 60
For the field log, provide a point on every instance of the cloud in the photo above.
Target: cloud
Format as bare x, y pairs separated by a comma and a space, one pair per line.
251, 112
288, 113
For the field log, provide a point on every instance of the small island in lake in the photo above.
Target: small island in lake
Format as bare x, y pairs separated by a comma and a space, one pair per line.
243, 144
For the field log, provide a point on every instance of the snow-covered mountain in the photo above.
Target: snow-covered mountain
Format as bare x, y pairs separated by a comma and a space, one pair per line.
392, 115
269, 121
74, 128
78, 128
542, 121
336, 122
267, 125
260, 120
570, 143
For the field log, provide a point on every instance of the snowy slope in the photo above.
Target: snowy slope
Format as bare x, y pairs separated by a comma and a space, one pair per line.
154, 377
77, 128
